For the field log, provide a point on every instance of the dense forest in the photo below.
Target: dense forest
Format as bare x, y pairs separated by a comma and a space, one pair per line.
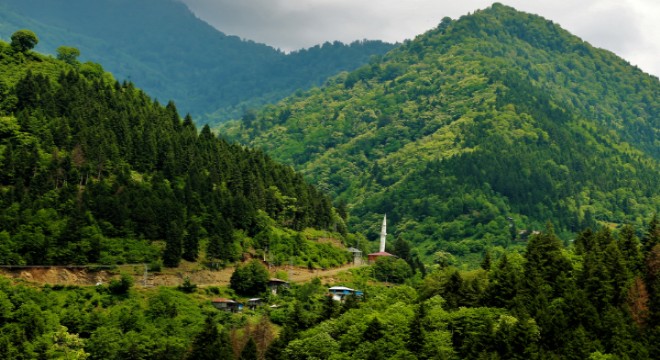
469, 137
209, 74
597, 299
475, 134
94, 171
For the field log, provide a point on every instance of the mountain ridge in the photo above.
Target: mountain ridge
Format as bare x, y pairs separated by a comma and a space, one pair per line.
529, 121
173, 55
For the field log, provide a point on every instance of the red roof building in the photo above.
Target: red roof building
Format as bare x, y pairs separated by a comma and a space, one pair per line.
373, 256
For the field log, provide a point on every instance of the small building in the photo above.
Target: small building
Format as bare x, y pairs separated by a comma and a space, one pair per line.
254, 303
339, 293
374, 256
227, 305
357, 255
274, 284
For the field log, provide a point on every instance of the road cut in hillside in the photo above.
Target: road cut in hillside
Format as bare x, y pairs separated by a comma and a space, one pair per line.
87, 276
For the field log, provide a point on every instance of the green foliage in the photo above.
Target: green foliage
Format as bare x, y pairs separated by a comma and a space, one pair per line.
122, 285
474, 132
212, 75
250, 279
94, 171
210, 343
24, 40
391, 269
497, 314
187, 286
249, 351
548, 315
68, 54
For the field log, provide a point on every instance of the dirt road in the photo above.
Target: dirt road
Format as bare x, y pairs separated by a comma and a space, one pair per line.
169, 277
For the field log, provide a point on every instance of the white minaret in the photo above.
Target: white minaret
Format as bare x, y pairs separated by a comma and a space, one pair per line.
383, 234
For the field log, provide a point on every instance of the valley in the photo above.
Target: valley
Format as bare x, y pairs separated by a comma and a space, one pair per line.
500, 174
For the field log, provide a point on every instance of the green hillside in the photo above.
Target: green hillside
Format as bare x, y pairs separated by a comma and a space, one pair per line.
600, 299
173, 55
476, 133
95, 171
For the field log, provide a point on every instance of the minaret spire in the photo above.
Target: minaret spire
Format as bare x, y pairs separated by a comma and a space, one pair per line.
383, 234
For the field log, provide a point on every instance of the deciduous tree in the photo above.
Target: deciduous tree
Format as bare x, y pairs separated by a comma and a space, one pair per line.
24, 40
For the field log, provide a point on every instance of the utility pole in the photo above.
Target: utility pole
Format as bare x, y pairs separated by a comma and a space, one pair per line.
146, 274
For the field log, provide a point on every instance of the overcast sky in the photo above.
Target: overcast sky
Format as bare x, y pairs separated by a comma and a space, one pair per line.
629, 28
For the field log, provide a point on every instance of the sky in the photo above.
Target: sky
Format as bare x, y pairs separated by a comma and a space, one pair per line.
629, 28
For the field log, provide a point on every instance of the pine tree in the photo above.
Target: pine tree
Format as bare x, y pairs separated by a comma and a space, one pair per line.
504, 283
173, 240
416, 331
486, 262
652, 236
545, 258
211, 344
374, 330
630, 248
249, 351
191, 239
330, 308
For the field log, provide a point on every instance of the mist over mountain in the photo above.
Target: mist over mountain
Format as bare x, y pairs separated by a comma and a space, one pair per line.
165, 49
477, 133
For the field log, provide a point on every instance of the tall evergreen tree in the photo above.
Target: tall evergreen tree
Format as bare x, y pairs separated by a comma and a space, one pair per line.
249, 351
211, 344
173, 243
652, 236
416, 332
191, 239
630, 248
545, 257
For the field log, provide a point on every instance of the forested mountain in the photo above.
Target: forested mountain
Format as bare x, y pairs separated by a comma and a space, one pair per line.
171, 54
476, 133
94, 171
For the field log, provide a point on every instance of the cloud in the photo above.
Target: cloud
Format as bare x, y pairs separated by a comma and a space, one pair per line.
626, 27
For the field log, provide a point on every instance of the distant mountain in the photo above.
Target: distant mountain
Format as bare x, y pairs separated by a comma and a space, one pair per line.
165, 49
476, 133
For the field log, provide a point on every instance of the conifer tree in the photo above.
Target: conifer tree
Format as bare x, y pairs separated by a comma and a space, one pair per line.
652, 236
486, 262
630, 248
211, 344
191, 239
374, 330
173, 242
249, 351
416, 331
504, 282
545, 257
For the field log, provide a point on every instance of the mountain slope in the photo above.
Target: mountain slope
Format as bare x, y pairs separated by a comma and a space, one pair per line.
94, 171
163, 47
497, 115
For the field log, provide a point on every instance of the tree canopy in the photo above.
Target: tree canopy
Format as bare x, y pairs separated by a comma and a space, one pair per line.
24, 40
468, 138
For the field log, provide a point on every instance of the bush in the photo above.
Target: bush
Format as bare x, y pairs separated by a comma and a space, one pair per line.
392, 269
187, 287
122, 285
250, 279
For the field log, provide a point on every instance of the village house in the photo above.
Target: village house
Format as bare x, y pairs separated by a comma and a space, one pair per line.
339, 293
274, 285
254, 303
227, 305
